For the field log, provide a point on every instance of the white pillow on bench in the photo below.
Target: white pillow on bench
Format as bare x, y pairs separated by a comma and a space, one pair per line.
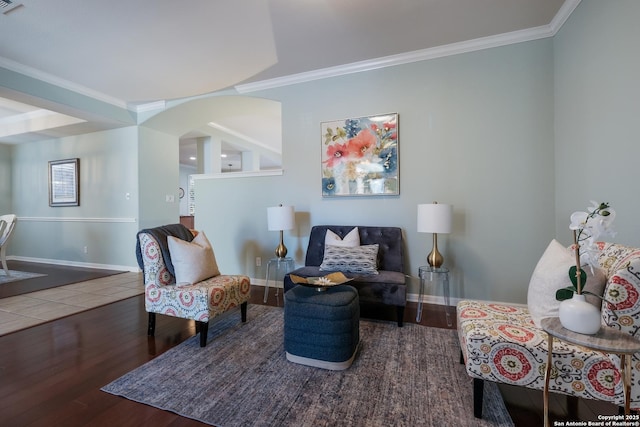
551, 274
351, 240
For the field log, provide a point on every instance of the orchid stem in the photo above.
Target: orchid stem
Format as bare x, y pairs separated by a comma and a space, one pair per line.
578, 270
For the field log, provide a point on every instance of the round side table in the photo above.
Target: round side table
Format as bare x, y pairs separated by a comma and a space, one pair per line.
433, 277
607, 340
279, 267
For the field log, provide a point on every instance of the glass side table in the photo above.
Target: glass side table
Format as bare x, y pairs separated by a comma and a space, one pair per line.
607, 340
432, 277
276, 270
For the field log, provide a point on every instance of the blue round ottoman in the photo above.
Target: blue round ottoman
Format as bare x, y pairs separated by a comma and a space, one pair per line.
321, 328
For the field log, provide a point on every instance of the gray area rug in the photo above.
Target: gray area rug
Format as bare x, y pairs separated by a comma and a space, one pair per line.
17, 275
409, 376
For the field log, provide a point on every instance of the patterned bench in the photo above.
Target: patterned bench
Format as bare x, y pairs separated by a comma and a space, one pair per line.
501, 343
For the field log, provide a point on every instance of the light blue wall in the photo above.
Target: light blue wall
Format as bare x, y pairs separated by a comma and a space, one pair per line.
158, 170
5, 179
476, 131
105, 221
597, 103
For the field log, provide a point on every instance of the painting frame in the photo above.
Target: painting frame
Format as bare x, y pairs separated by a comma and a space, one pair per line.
360, 156
64, 186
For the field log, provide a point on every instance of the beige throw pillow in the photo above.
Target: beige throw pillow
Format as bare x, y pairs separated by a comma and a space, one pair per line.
351, 240
551, 274
192, 261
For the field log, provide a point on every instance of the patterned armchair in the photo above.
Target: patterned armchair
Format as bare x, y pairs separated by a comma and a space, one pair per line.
200, 301
501, 343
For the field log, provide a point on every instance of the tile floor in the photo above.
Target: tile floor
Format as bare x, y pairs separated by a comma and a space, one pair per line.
31, 309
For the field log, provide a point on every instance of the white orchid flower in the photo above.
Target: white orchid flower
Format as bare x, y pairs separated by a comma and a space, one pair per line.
607, 222
588, 227
600, 228
589, 255
578, 220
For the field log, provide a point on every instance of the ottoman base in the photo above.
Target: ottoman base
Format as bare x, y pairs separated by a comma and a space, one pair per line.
317, 363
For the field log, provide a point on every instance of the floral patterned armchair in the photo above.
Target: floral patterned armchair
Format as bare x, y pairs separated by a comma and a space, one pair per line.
501, 343
201, 301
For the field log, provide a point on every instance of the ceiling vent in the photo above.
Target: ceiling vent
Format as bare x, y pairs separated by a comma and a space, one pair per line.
7, 6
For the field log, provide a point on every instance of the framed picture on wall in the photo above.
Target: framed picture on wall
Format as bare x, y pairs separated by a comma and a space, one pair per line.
360, 156
64, 189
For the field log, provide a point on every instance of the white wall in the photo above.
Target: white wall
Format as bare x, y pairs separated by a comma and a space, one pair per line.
597, 103
476, 130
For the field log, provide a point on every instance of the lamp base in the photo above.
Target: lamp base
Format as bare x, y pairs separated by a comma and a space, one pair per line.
435, 258
281, 250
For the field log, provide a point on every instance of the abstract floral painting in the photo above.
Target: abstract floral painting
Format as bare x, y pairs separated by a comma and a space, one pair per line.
360, 156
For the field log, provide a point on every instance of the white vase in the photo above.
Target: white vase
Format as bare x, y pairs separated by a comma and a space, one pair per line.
577, 315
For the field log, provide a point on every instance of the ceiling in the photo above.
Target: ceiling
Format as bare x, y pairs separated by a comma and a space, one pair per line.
134, 53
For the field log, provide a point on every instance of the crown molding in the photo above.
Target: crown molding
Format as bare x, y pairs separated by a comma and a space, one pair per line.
474, 45
62, 83
563, 14
150, 106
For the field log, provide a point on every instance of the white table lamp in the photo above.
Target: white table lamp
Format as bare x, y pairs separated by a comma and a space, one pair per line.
280, 218
435, 218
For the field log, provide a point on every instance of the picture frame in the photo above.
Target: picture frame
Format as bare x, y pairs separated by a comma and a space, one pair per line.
360, 156
64, 188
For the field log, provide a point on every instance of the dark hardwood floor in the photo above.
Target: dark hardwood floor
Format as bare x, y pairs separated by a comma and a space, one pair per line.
51, 374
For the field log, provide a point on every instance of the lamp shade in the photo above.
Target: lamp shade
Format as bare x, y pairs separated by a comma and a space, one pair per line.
280, 218
434, 218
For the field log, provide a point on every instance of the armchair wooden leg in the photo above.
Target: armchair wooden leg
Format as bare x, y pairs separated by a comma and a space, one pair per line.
400, 315
243, 311
152, 324
478, 394
204, 330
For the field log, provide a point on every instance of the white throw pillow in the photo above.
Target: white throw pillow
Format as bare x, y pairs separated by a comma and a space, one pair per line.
351, 240
551, 274
192, 261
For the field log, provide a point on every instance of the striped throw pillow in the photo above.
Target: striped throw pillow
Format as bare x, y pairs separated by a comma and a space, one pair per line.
358, 260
